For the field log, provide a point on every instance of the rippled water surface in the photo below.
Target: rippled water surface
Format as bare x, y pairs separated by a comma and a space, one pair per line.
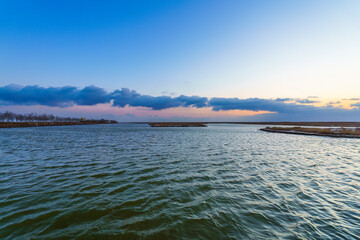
130, 181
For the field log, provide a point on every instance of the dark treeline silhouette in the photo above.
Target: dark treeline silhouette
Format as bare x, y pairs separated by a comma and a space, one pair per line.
34, 117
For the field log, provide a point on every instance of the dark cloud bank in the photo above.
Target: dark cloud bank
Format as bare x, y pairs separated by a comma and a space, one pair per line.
285, 109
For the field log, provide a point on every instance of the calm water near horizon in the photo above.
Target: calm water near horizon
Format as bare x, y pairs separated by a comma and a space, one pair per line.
130, 181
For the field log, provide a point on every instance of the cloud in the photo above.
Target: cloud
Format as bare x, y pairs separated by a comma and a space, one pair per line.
284, 99
168, 93
53, 96
333, 102
357, 105
352, 99
298, 100
91, 95
256, 104
281, 109
306, 101
127, 97
34, 95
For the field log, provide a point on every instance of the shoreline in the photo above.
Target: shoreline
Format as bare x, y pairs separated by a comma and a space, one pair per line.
49, 124
312, 132
204, 124
177, 124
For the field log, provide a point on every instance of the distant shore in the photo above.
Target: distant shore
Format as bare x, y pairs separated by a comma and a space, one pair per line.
324, 132
203, 124
177, 124
47, 124
314, 124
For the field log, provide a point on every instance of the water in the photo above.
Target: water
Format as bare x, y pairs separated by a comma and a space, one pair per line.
130, 181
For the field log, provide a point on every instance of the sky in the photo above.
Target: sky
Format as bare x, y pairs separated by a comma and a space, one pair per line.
207, 60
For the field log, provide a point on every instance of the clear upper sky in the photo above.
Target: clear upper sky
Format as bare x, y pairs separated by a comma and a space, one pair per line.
208, 48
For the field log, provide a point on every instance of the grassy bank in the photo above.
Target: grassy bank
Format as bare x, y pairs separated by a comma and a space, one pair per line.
328, 132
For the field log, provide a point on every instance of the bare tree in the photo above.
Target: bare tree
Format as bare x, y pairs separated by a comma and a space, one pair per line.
34, 117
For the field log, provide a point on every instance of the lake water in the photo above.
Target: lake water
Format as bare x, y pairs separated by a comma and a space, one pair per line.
130, 181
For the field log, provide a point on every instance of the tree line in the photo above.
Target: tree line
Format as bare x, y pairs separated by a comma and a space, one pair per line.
34, 117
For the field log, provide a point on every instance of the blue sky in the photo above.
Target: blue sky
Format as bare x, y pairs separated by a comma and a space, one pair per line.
207, 49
